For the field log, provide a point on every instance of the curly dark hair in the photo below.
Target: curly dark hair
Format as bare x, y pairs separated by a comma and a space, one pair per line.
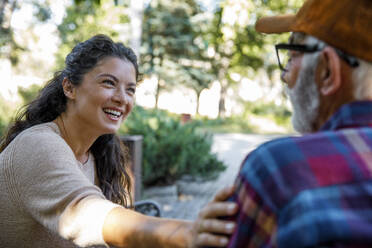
109, 153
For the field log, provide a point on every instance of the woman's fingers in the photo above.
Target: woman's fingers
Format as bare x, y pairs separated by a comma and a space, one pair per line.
215, 226
209, 230
224, 193
218, 209
207, 239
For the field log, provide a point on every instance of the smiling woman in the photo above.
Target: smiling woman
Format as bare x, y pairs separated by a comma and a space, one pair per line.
64, 180
104, 98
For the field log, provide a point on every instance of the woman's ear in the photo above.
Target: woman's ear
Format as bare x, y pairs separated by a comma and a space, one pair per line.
68, 88
330, 72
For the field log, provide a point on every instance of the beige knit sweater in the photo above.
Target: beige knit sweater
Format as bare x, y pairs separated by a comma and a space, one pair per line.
47, 197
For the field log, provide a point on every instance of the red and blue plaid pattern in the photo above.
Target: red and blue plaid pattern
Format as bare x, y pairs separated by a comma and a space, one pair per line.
310, 191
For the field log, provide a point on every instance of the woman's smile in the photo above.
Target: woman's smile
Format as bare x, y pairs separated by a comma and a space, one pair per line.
113, 114
105, 96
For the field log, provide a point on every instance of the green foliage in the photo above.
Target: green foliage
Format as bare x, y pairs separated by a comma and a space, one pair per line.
171, 149
42, 10
30, 93
6, 111
3, 125
233, 124
85, 19
9, 46
167, 30
171, 44
245, 122
279, 113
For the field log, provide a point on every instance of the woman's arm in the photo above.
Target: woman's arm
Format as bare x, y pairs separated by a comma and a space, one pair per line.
127, 228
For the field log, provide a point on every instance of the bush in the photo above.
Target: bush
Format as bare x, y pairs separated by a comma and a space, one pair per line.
3, 126
279, 113
6, 111
233, 124
171, 149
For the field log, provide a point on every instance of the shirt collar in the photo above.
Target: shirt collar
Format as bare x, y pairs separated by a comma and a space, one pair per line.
355, 114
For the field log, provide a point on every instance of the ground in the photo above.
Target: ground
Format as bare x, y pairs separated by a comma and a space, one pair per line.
184, 199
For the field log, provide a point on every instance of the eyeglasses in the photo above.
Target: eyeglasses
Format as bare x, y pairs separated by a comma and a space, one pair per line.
284, 57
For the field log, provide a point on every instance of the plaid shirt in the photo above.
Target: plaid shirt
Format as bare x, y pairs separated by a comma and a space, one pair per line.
313, 190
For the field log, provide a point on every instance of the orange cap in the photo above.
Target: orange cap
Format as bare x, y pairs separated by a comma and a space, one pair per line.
344, 24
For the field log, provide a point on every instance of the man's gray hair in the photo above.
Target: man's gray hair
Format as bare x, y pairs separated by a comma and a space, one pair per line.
361, 77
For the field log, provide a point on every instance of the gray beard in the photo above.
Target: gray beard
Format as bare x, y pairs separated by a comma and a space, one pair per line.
304, 97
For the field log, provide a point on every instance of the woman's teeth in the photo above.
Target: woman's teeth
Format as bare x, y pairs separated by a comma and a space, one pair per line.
112, 112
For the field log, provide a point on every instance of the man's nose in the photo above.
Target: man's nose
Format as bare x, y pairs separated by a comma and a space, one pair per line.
282, 76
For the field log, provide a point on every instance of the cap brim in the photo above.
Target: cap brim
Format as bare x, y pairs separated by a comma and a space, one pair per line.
275, 24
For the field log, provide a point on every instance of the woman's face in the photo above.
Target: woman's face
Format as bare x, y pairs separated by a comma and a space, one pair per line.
105, 96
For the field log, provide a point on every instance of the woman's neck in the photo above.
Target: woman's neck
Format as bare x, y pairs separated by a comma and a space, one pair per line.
78, 138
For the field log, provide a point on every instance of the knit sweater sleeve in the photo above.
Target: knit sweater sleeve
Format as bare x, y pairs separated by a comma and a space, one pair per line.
49, 186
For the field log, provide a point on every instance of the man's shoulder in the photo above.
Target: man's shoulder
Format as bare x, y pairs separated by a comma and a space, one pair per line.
284, 146
281, 168
295, 145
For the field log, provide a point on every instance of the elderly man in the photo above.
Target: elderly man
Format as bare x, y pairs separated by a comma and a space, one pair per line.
315, 190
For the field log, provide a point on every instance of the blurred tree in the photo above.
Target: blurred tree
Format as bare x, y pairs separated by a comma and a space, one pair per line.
4, 111
9, 47
134, 12
30, 93
85, 18
197, 67
199, 80
234, 44
7, 112
136, 17
167, 37
221, 53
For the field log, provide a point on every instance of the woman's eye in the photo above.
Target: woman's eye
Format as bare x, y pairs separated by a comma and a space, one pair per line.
109, 82
132, 90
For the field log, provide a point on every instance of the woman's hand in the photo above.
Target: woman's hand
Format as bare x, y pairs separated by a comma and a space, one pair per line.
210, 231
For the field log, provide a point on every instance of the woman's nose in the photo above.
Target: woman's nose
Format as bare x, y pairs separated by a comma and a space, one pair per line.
121, 96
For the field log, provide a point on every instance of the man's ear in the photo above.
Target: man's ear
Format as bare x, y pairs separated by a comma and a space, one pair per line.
330, 72
68, 88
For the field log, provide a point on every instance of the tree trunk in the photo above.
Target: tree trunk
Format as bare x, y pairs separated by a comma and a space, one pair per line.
221, 104
159, 86
198, 93
157, 93
2, 11
224, 84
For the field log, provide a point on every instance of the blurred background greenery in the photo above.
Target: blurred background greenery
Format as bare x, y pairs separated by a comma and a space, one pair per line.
201, 59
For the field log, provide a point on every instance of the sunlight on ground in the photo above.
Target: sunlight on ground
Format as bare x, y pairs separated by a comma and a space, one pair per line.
265, 125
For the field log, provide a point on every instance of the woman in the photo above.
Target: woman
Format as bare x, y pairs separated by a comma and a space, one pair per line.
63, 177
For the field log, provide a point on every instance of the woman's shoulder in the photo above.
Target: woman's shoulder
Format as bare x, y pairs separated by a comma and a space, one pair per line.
42, 137
38, 148
48, 130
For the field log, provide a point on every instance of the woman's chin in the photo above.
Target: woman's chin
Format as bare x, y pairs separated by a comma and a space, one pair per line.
110, 130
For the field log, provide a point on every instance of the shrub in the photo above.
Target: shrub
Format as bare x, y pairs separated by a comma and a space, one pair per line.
6, 111
171, 149
232, 124
279, 113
